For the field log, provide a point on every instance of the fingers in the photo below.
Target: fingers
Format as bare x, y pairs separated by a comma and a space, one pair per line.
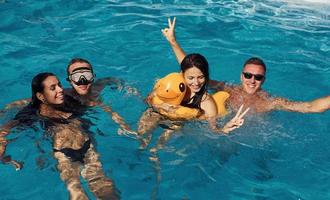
169, 22
173, 24
164, 31
240, 123
17, 165
244, 113
239, 111
240, 115
3, 133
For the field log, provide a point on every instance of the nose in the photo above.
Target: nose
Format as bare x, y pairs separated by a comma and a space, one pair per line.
252, 79
195, 81
59, 89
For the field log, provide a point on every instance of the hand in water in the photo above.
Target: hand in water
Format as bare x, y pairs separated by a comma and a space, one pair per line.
7, 159
126, 131
166, 107
3, 132
236, 122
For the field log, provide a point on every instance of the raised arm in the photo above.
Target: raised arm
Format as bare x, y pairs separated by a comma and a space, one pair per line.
169, 34
316, 106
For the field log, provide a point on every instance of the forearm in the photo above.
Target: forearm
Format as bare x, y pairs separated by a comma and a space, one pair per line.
315, 106
5, 129
18, 103
219, 130
116, 117
178, 51
119, 84
7, 159
3, 145
213, 126
120, 121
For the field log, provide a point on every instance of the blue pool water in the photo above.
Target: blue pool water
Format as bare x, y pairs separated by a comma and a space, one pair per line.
277, 155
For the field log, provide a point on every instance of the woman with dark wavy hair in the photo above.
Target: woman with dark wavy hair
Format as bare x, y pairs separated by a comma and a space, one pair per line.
195, 71
72, 146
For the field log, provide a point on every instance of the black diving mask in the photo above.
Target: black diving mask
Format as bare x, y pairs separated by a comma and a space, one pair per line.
82, 76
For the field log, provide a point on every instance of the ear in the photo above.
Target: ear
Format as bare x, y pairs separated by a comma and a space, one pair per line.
41, 97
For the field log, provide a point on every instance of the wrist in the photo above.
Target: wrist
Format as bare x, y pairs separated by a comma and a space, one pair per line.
173, 42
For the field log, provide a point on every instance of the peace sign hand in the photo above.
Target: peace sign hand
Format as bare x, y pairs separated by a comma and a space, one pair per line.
236, 122
169, 32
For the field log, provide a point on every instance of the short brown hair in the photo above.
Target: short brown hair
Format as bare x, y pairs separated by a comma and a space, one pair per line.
256, 61
75, 60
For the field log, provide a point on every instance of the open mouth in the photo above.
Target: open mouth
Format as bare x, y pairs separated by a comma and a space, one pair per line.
60, 96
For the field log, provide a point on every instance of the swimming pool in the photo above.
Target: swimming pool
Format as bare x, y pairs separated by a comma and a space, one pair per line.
274, 156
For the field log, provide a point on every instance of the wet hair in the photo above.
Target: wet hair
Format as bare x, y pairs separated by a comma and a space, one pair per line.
200, 62
78, 60
38, 86
256, 61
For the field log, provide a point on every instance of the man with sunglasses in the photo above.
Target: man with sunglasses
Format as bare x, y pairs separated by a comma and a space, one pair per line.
249, 92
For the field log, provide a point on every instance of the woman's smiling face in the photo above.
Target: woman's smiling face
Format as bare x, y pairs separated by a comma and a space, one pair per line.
195, 79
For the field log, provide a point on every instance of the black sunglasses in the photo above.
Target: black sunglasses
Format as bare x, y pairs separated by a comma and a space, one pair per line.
257, 77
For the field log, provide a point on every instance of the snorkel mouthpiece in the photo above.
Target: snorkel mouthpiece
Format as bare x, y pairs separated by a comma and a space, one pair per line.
83, 81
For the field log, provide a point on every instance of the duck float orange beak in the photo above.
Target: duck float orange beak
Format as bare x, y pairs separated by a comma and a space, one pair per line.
170, 89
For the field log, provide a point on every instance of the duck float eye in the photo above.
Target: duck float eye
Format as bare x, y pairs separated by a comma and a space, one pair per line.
182, 87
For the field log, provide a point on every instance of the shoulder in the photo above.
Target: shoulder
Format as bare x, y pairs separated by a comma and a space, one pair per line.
207, 98
208, 105
107, 81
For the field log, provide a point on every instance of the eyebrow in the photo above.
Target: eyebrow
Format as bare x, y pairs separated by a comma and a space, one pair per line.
196, 76
55, 84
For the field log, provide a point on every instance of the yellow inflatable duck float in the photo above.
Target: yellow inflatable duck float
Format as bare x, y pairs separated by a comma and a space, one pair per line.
171, 89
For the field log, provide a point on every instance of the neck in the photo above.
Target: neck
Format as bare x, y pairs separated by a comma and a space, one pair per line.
51, 111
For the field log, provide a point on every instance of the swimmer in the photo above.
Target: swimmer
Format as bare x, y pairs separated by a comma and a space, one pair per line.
85, 92
194, 68
250, 93
72, 147
81, 77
